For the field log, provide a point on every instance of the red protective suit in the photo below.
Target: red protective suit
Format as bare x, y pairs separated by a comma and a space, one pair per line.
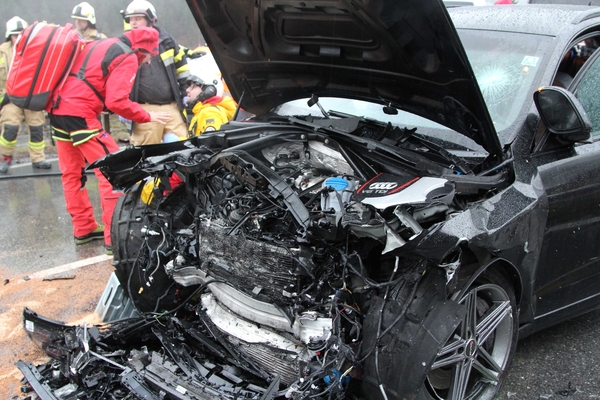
111, 70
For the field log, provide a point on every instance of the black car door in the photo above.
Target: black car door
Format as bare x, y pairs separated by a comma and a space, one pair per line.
568, 276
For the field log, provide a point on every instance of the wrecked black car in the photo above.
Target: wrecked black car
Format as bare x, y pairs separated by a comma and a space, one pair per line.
409, 199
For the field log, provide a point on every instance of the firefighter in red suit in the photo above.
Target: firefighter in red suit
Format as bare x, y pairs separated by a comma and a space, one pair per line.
109, 73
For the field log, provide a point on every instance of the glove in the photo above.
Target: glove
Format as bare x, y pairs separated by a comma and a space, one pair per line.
196, 54
170, 137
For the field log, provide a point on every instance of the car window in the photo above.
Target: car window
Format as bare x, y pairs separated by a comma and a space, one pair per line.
588, 93
574, 59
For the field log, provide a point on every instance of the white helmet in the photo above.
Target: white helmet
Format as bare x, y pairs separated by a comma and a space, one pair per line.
211, 84
14, 26
140, 8
85, 12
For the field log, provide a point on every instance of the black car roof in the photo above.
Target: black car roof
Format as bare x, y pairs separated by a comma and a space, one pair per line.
537, 19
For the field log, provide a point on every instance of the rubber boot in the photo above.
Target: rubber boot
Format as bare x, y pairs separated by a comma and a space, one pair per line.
8, 141
36, 147
4, 163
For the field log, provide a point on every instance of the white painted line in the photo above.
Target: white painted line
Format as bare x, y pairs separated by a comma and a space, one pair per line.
70, 266
28, 163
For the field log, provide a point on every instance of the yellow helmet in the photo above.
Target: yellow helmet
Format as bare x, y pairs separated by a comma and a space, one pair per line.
85, 12
14, 26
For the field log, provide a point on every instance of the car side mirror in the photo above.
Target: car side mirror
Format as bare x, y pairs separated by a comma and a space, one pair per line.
562, 113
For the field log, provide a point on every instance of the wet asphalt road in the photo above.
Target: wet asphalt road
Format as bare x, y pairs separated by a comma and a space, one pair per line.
559, 363
36, 234
36, 231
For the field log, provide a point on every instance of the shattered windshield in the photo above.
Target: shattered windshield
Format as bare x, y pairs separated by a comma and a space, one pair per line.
505, 66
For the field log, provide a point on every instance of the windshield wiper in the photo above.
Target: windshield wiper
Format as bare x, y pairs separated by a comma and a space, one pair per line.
457, 163
410, 158
407, 134
314, 99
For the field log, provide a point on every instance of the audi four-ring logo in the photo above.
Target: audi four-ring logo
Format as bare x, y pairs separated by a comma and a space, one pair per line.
383, 185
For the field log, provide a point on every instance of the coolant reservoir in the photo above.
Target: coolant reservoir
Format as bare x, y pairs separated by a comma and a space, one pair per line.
342, 191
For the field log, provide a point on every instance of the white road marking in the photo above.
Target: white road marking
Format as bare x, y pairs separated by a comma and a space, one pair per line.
69, 267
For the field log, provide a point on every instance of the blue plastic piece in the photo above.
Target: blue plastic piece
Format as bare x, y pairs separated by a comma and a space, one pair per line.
337, 183
334, 377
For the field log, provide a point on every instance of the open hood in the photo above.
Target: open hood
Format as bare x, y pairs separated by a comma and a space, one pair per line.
403, 53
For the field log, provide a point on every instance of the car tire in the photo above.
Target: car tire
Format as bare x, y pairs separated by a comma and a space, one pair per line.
473, 362
132, 249
403, 330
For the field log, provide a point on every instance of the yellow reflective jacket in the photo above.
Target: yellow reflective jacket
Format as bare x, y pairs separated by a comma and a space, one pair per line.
210, 115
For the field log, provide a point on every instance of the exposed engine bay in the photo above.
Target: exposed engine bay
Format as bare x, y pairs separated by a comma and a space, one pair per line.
285, 265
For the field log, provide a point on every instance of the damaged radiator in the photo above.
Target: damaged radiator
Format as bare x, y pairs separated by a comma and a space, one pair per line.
275, 361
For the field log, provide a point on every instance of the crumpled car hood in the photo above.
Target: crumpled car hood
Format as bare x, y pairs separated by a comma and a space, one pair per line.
405, 53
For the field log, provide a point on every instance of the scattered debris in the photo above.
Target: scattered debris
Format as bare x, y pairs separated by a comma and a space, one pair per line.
63, 275
6, 281
568, 391
26, 278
